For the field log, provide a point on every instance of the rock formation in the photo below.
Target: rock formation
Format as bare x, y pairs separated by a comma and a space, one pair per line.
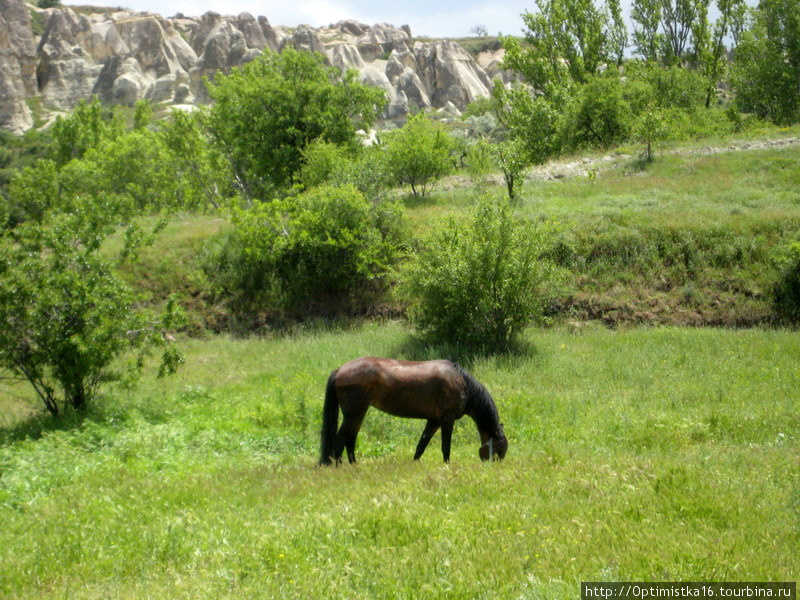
124, 56
17, 66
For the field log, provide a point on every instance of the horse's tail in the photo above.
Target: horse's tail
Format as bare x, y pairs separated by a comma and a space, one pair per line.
330, 421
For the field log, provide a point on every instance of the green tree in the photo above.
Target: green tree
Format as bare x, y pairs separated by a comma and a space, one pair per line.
477, 285
84, 128
650, 127
767, 64
65, 318
202, 171
646, 17
266, 112
565, 41
617, 32
419, 154
600, 116
143, 114
513, 161
677, 21
323, 250
534, 121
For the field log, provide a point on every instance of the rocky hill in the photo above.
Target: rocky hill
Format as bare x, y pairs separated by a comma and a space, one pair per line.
124, 56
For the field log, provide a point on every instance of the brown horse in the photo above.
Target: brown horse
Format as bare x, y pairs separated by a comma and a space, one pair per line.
439, 391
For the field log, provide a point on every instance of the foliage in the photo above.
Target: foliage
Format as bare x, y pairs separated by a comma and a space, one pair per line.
322, 161
533, 121
480, 162
365, 168
266, 112
419, 154
601, 115
649, 128
143, 114
65, 317
202, 171
565, 41
767, 63
477, 286
319, 251
83, 129
646, 17
786, 293
513, 161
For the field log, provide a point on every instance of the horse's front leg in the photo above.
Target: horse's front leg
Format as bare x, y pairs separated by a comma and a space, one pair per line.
430, 430
447, 434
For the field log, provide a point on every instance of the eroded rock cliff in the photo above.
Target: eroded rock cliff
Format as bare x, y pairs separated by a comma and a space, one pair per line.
124, 56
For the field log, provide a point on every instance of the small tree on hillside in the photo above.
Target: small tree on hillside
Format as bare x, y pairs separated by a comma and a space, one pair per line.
266, 112
65, 318
649, 128
477, 285
419, 154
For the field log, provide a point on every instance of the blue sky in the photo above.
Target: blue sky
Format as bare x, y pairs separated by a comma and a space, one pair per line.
439, 18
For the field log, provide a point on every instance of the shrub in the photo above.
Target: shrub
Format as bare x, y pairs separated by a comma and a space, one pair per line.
65, 317
476, 286
601, 115
321, 251
786, 293
419, 154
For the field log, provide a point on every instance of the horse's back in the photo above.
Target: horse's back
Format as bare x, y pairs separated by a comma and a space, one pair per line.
403, 388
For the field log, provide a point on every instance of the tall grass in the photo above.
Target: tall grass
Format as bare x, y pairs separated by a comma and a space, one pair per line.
634, 454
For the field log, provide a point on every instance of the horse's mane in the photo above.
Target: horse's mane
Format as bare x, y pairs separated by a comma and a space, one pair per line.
480, 404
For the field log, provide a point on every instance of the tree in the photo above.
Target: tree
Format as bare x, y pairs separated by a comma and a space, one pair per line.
600, 116
323, 250
617, 32
513, 161
677, 20
564, 41
649, 128
65, 318
419, 154
202, 171
766, 72
646, 17
80, 131
266, 112
477, 285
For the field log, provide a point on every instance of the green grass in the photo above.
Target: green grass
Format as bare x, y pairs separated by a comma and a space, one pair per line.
690, 240
655, 454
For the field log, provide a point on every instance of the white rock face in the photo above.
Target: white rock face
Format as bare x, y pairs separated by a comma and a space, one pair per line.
124, 56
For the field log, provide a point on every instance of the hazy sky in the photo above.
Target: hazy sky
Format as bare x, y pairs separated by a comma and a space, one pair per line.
438, 18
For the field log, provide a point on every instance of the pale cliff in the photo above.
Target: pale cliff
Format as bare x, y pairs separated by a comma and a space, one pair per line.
124, 56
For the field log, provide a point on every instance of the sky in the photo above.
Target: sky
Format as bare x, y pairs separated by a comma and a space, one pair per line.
434, 18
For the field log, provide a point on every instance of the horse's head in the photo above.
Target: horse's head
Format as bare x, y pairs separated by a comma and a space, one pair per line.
495, 447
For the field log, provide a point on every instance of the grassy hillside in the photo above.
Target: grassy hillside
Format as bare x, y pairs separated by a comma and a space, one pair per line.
655, 454
692, 239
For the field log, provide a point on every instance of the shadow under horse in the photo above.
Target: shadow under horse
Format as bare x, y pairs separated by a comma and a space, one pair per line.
439, 391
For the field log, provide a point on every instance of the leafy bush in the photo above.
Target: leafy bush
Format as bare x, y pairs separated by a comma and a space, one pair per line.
601, 115
767, 63
65, 318
476, 286
266, 112
321, 251
419, 154
786, 293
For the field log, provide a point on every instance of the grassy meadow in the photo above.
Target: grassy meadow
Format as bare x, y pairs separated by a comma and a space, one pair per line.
643, 451
651, 453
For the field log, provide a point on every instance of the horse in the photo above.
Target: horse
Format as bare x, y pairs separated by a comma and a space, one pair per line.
439, 391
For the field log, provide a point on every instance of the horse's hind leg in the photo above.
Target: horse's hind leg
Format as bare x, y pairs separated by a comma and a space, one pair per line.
430, 429
447, 434
346, 438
